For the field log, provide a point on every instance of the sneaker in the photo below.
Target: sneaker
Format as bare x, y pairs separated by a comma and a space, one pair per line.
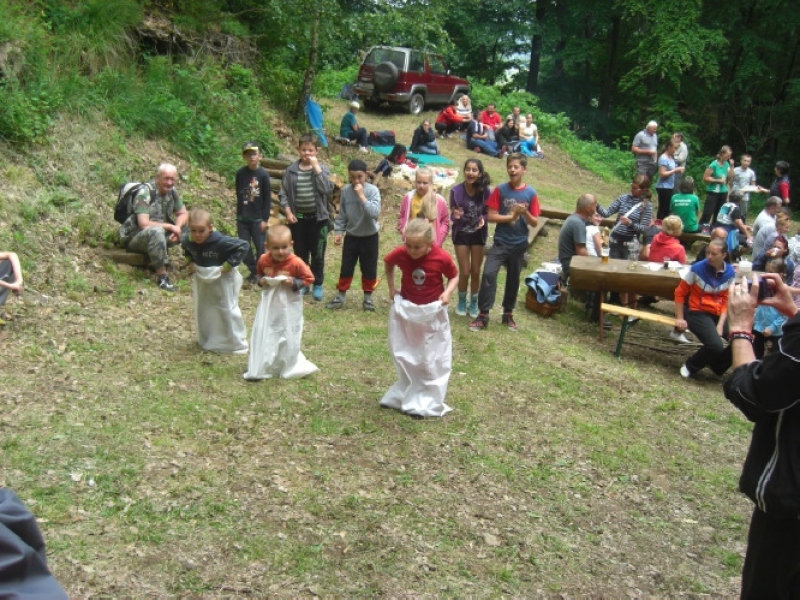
337, 302
508, 320
165, 284
677, 336
685, 372
473, 307
317, 293
480, 323
368, 304
461, 309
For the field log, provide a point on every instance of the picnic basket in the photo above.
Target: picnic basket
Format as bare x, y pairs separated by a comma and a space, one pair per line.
545, 309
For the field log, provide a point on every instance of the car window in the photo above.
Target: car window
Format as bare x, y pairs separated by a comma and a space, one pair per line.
416, 62
379, 55
437, 64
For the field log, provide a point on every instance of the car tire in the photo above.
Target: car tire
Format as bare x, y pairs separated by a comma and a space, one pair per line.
371, 104
416, 104
384, 76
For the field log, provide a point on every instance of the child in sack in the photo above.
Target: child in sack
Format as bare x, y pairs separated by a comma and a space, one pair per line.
278, 327
216, 285
419, 328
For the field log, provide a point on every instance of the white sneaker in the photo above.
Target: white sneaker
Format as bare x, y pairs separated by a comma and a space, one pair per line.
677, 336
685, 372
364, 149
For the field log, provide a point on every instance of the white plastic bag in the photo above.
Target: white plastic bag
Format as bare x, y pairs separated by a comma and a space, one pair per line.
277, 333
218, 320
421, 346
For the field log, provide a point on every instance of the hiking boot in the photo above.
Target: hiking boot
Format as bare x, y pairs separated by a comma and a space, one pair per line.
368, 304
317, 293
337, 302
461, 309
165, 284
480, 323
473, 306
508, 320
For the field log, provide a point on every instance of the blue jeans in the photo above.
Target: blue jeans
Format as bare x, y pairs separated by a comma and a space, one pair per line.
486, 146
430, 148
250, 231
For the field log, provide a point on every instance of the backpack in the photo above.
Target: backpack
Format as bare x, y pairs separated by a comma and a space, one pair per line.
127, 192
382, 138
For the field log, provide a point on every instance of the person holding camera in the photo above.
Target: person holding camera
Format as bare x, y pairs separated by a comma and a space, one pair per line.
763, 391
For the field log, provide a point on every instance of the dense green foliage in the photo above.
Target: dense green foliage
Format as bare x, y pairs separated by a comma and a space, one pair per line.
720, 76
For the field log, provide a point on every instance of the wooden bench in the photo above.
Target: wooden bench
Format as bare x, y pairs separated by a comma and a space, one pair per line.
534, 231
123, 257
627, 314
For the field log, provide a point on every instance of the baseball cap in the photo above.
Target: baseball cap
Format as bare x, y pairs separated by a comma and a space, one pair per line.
250, 146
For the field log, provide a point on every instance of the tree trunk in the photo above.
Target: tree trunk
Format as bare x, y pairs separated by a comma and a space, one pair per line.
308, 80
613, 51
532, 85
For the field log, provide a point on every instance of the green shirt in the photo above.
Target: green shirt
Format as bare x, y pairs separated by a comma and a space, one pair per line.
686, 207
718, 171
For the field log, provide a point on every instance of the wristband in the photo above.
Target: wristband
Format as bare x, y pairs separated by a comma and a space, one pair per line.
740, 335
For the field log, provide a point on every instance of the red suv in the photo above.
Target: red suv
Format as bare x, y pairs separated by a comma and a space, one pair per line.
411, 78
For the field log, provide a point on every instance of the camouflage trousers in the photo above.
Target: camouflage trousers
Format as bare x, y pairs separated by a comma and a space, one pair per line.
152, 241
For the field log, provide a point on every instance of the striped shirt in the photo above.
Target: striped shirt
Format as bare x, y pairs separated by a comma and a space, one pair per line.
304, 196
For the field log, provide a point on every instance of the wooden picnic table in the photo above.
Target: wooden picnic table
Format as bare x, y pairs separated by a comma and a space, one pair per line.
561, 214
590, 274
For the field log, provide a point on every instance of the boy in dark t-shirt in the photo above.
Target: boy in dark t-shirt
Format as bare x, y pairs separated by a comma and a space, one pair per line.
253, 204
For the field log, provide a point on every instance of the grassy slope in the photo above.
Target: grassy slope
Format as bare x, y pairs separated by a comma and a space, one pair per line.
155, 470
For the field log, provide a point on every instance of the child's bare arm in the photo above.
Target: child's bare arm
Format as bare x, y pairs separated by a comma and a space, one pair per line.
448, 291
389, 268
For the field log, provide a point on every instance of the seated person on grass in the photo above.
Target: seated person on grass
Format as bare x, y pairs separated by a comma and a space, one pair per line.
424, 140
351, 130
448, 120
507, 137
478, 138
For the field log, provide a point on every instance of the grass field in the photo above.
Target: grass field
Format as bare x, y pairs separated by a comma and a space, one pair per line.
156, 471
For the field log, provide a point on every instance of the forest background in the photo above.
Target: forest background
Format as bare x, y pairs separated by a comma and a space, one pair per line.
598, 69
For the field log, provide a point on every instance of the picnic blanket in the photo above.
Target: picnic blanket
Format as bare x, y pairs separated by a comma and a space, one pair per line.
422, 159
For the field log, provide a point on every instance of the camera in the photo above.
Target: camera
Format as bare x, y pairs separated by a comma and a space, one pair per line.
765, 289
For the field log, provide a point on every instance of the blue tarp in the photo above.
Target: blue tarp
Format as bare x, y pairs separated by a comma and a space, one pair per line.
314, 116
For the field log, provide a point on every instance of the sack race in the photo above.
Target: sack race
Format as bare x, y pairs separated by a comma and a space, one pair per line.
544, 296
421, 346
218, 319
277, 333
381, 138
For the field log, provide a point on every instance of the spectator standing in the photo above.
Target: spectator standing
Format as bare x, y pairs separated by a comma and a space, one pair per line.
157, 223
306, 189
681, 155
717, 177
770, 476
424, 203
780, 185
356, 230
351, 130
513, 206
253, 205
745, 177
665, 187
470, 231
645, 149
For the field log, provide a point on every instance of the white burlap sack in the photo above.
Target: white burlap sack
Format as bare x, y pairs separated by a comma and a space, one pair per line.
218, 320
277, 333
421, 346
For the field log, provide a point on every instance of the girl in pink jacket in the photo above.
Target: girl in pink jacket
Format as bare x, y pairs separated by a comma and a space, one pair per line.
424, 202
